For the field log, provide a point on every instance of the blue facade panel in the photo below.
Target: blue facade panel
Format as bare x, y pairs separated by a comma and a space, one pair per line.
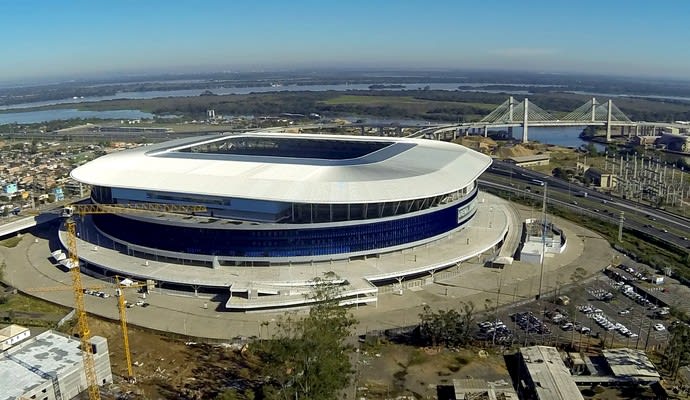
287, 242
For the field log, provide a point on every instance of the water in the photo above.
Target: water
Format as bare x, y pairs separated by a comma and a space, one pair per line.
475, 87
566, 136
642, 96
32, 117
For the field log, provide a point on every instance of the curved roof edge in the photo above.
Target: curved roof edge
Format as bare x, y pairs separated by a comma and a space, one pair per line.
418, 168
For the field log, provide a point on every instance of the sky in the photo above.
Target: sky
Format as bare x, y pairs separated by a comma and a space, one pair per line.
45, 39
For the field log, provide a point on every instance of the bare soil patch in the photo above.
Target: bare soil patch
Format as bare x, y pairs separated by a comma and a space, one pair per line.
390, 370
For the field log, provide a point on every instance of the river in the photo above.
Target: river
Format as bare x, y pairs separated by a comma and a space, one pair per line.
566, 136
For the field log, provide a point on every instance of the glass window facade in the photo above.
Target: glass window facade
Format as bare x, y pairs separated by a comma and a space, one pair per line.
302, 242
285, 213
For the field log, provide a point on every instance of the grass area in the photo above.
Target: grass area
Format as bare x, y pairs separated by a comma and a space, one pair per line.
24, 303
400, 100
11, 242
373, 100
432, 104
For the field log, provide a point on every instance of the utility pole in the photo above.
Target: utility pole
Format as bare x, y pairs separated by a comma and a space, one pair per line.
620, 227
543, 242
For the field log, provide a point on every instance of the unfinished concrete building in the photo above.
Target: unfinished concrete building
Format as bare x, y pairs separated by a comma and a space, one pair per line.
50, 367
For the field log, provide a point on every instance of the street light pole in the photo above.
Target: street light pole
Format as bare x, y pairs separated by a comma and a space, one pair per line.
543, 244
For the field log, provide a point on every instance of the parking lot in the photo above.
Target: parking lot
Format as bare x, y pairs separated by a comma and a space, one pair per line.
104, 295
597, 311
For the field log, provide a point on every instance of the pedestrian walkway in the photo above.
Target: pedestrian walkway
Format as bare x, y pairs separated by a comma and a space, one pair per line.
29, 266
265, 287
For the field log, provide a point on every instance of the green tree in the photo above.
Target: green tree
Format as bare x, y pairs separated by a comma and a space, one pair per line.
446, 327
591, 149
34, 146
308, 358
562, 173
588, 132
678, 350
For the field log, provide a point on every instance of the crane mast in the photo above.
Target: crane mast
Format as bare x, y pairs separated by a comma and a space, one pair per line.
84, 331
121, 306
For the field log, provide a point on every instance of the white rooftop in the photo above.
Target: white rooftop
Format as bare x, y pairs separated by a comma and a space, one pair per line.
48, 354
396, 169
630, 363
552, 379
12, 330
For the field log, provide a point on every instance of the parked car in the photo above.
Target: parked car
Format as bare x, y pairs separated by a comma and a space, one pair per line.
659, 327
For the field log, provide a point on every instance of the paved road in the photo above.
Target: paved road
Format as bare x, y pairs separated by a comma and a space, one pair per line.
665, 226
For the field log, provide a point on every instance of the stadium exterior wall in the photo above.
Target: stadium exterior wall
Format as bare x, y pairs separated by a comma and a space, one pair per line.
283, 243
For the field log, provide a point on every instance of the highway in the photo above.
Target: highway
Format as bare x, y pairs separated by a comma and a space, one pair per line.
663, 225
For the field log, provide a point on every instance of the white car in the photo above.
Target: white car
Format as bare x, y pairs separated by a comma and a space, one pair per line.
659, 327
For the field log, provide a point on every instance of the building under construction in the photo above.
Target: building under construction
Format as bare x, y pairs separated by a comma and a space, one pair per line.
50, 366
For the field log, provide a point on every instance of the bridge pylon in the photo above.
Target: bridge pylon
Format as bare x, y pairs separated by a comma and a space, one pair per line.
507, 112
592, 112
525, 120
608, 120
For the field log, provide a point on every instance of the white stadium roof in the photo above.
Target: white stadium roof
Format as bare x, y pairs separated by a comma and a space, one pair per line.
384, 169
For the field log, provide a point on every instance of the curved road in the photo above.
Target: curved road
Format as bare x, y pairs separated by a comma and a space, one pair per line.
663, 225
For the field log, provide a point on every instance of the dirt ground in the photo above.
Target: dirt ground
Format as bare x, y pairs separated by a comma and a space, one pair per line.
393, 371
166, 368
161, 365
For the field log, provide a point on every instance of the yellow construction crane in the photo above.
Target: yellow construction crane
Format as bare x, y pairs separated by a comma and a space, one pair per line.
82, 322
122, 306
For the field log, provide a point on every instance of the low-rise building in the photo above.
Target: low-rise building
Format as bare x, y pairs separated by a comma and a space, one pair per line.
530, 161
11, 335
545, 376
10, 188
50, 366
647, 140
466, 389
631, 365
59, 194
601, 179
539, 241
674, 141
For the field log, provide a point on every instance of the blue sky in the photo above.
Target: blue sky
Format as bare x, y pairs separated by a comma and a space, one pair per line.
44, 39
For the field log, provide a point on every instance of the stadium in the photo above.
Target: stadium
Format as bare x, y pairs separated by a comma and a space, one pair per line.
275, 201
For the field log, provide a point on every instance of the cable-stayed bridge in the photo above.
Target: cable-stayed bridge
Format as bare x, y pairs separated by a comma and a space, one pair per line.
526, 114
